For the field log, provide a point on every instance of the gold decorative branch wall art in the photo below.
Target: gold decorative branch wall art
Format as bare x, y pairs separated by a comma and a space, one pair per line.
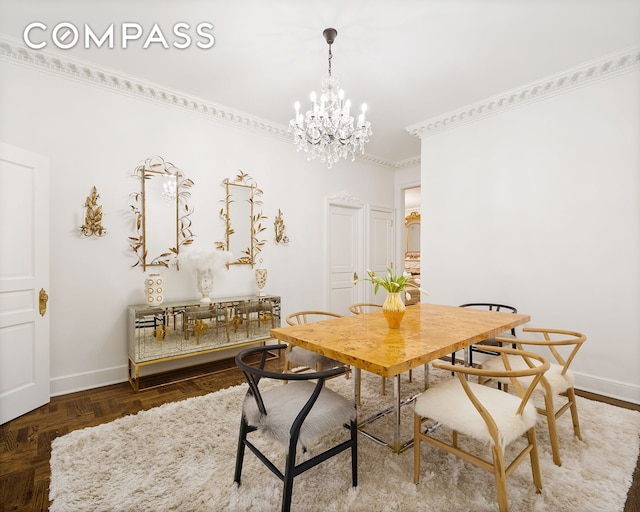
243, 219
161, 212
280, 228
93, 216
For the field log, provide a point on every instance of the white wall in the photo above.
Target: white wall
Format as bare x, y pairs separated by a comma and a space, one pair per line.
97, 137
539, 207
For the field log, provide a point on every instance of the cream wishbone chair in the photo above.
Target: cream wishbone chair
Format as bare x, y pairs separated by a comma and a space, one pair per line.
364, 307
307, 359
367, 307
558, 381
486, 414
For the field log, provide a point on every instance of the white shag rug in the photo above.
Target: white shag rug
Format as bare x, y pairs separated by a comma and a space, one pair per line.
181, 457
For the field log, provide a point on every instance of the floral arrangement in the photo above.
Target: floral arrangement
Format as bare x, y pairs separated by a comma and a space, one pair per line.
205, 262
203, 259
393, 283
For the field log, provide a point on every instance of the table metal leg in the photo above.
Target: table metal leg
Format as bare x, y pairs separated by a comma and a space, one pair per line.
426, 376
395, 444
467, 359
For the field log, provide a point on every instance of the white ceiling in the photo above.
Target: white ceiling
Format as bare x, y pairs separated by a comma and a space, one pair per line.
409, 60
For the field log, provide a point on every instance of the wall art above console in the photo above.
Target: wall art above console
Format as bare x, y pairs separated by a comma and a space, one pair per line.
243, 218
161, 210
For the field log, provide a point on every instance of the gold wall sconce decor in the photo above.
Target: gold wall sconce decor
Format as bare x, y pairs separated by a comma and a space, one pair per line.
93, 216
243, 219
161, 212
281, 237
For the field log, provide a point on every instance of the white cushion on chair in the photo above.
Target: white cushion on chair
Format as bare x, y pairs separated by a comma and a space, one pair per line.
449, 404
302, 357
284, 403
558, 382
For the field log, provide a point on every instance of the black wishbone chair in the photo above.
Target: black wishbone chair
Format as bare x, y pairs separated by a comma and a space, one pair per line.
487, 306
297, 416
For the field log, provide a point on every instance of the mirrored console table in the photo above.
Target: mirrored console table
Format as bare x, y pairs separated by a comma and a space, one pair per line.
175, 330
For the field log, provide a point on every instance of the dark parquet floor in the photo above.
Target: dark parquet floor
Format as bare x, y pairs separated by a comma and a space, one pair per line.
25, 443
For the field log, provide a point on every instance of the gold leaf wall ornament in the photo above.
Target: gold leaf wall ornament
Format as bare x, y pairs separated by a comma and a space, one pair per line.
242, 202
93, 217
280, 228
176, 196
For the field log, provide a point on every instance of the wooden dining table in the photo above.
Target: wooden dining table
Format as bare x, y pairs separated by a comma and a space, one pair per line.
365, 342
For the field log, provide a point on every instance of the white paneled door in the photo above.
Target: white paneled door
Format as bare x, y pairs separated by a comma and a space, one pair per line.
354, 246
24, 282
345, 241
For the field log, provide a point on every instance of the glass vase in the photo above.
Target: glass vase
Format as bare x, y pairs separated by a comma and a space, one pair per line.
393, 309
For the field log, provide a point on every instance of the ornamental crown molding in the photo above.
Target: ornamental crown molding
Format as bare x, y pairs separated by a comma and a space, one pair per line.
373, 159
604, 68
88, 73
56, 63
409, 162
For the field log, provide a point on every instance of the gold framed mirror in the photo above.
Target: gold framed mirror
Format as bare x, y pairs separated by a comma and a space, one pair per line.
412, 224
161, 210
243, 217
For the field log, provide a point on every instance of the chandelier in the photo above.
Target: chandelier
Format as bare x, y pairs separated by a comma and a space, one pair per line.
327, 130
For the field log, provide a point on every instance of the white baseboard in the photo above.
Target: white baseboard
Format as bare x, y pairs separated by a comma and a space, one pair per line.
88, 380
607, 387
114, 375
107, 376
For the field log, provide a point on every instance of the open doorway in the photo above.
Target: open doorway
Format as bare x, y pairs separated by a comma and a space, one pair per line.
412, 217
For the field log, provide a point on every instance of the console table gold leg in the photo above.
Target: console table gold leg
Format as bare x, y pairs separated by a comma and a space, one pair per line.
135, 380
